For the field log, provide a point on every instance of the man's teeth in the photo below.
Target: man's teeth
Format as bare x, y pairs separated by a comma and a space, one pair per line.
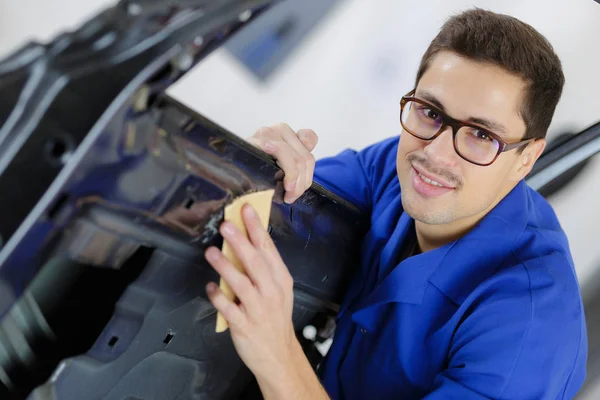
431, 182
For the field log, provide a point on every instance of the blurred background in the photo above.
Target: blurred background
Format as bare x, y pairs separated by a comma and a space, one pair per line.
340, 67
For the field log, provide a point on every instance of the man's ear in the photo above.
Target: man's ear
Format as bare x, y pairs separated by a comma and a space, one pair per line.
527, 159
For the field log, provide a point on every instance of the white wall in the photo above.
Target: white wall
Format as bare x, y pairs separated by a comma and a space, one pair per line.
24, 20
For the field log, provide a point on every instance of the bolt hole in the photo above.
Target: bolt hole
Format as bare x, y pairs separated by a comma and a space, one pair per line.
168, 338
113, 340
189, 203
58, 150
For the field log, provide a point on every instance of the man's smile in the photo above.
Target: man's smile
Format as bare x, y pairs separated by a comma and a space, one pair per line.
426, 186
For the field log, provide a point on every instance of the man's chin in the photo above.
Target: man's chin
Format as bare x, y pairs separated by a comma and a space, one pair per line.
425, 211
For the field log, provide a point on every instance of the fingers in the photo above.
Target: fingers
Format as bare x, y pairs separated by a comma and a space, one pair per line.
303, 143
258, 236
289, 162
241, 284
272, 142
268, 278
250, 257
262, 241
293, 154
309, 139
299, 166
230, 311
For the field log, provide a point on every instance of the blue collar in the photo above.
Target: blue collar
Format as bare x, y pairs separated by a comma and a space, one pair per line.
457, 268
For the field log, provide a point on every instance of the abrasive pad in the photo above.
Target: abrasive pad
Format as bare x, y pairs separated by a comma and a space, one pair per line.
261, 202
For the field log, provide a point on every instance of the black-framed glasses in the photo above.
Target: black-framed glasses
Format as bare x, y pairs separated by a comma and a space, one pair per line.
472, 143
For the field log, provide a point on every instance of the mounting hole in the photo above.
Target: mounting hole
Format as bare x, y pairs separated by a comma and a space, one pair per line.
188, 203
168, 338
58, 150
113, 340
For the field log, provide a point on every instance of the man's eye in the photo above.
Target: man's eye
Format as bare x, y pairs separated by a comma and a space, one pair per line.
429, 113
481, 135
432, 114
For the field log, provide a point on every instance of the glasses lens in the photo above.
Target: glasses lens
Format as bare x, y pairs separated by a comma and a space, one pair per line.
420, 120
476, 145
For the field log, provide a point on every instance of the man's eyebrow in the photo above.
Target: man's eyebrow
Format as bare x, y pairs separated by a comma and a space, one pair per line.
485, 122
489, 124
432, 99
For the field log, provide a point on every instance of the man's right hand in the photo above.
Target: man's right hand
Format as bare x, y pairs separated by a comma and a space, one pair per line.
292, 150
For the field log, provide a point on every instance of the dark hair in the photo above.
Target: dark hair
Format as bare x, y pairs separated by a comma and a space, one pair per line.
513, 45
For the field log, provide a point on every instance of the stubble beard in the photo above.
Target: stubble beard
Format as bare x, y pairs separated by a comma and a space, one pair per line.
413, 207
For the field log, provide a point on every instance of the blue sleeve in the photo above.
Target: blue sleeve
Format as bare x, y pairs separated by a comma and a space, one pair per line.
524, 338
356, 176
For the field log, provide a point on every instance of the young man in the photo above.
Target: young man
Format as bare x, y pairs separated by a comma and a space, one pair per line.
466, 288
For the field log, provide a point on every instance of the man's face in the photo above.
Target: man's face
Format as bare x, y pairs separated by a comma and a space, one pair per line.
467, 91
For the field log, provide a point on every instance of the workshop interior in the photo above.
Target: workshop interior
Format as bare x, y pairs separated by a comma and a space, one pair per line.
122, 129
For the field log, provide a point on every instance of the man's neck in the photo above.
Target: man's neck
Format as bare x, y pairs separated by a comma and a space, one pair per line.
431, 237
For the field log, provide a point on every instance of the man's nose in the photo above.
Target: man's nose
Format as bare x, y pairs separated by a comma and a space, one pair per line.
441, 149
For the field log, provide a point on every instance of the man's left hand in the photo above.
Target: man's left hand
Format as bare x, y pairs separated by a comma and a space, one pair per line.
261, 324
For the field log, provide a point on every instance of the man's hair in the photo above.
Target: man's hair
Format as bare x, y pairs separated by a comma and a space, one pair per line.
485, 36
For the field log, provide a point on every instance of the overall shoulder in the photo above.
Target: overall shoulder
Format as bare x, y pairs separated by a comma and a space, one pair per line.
527, 323
543, 249
520, 329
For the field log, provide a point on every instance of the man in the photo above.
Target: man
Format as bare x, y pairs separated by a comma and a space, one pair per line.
466, 288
